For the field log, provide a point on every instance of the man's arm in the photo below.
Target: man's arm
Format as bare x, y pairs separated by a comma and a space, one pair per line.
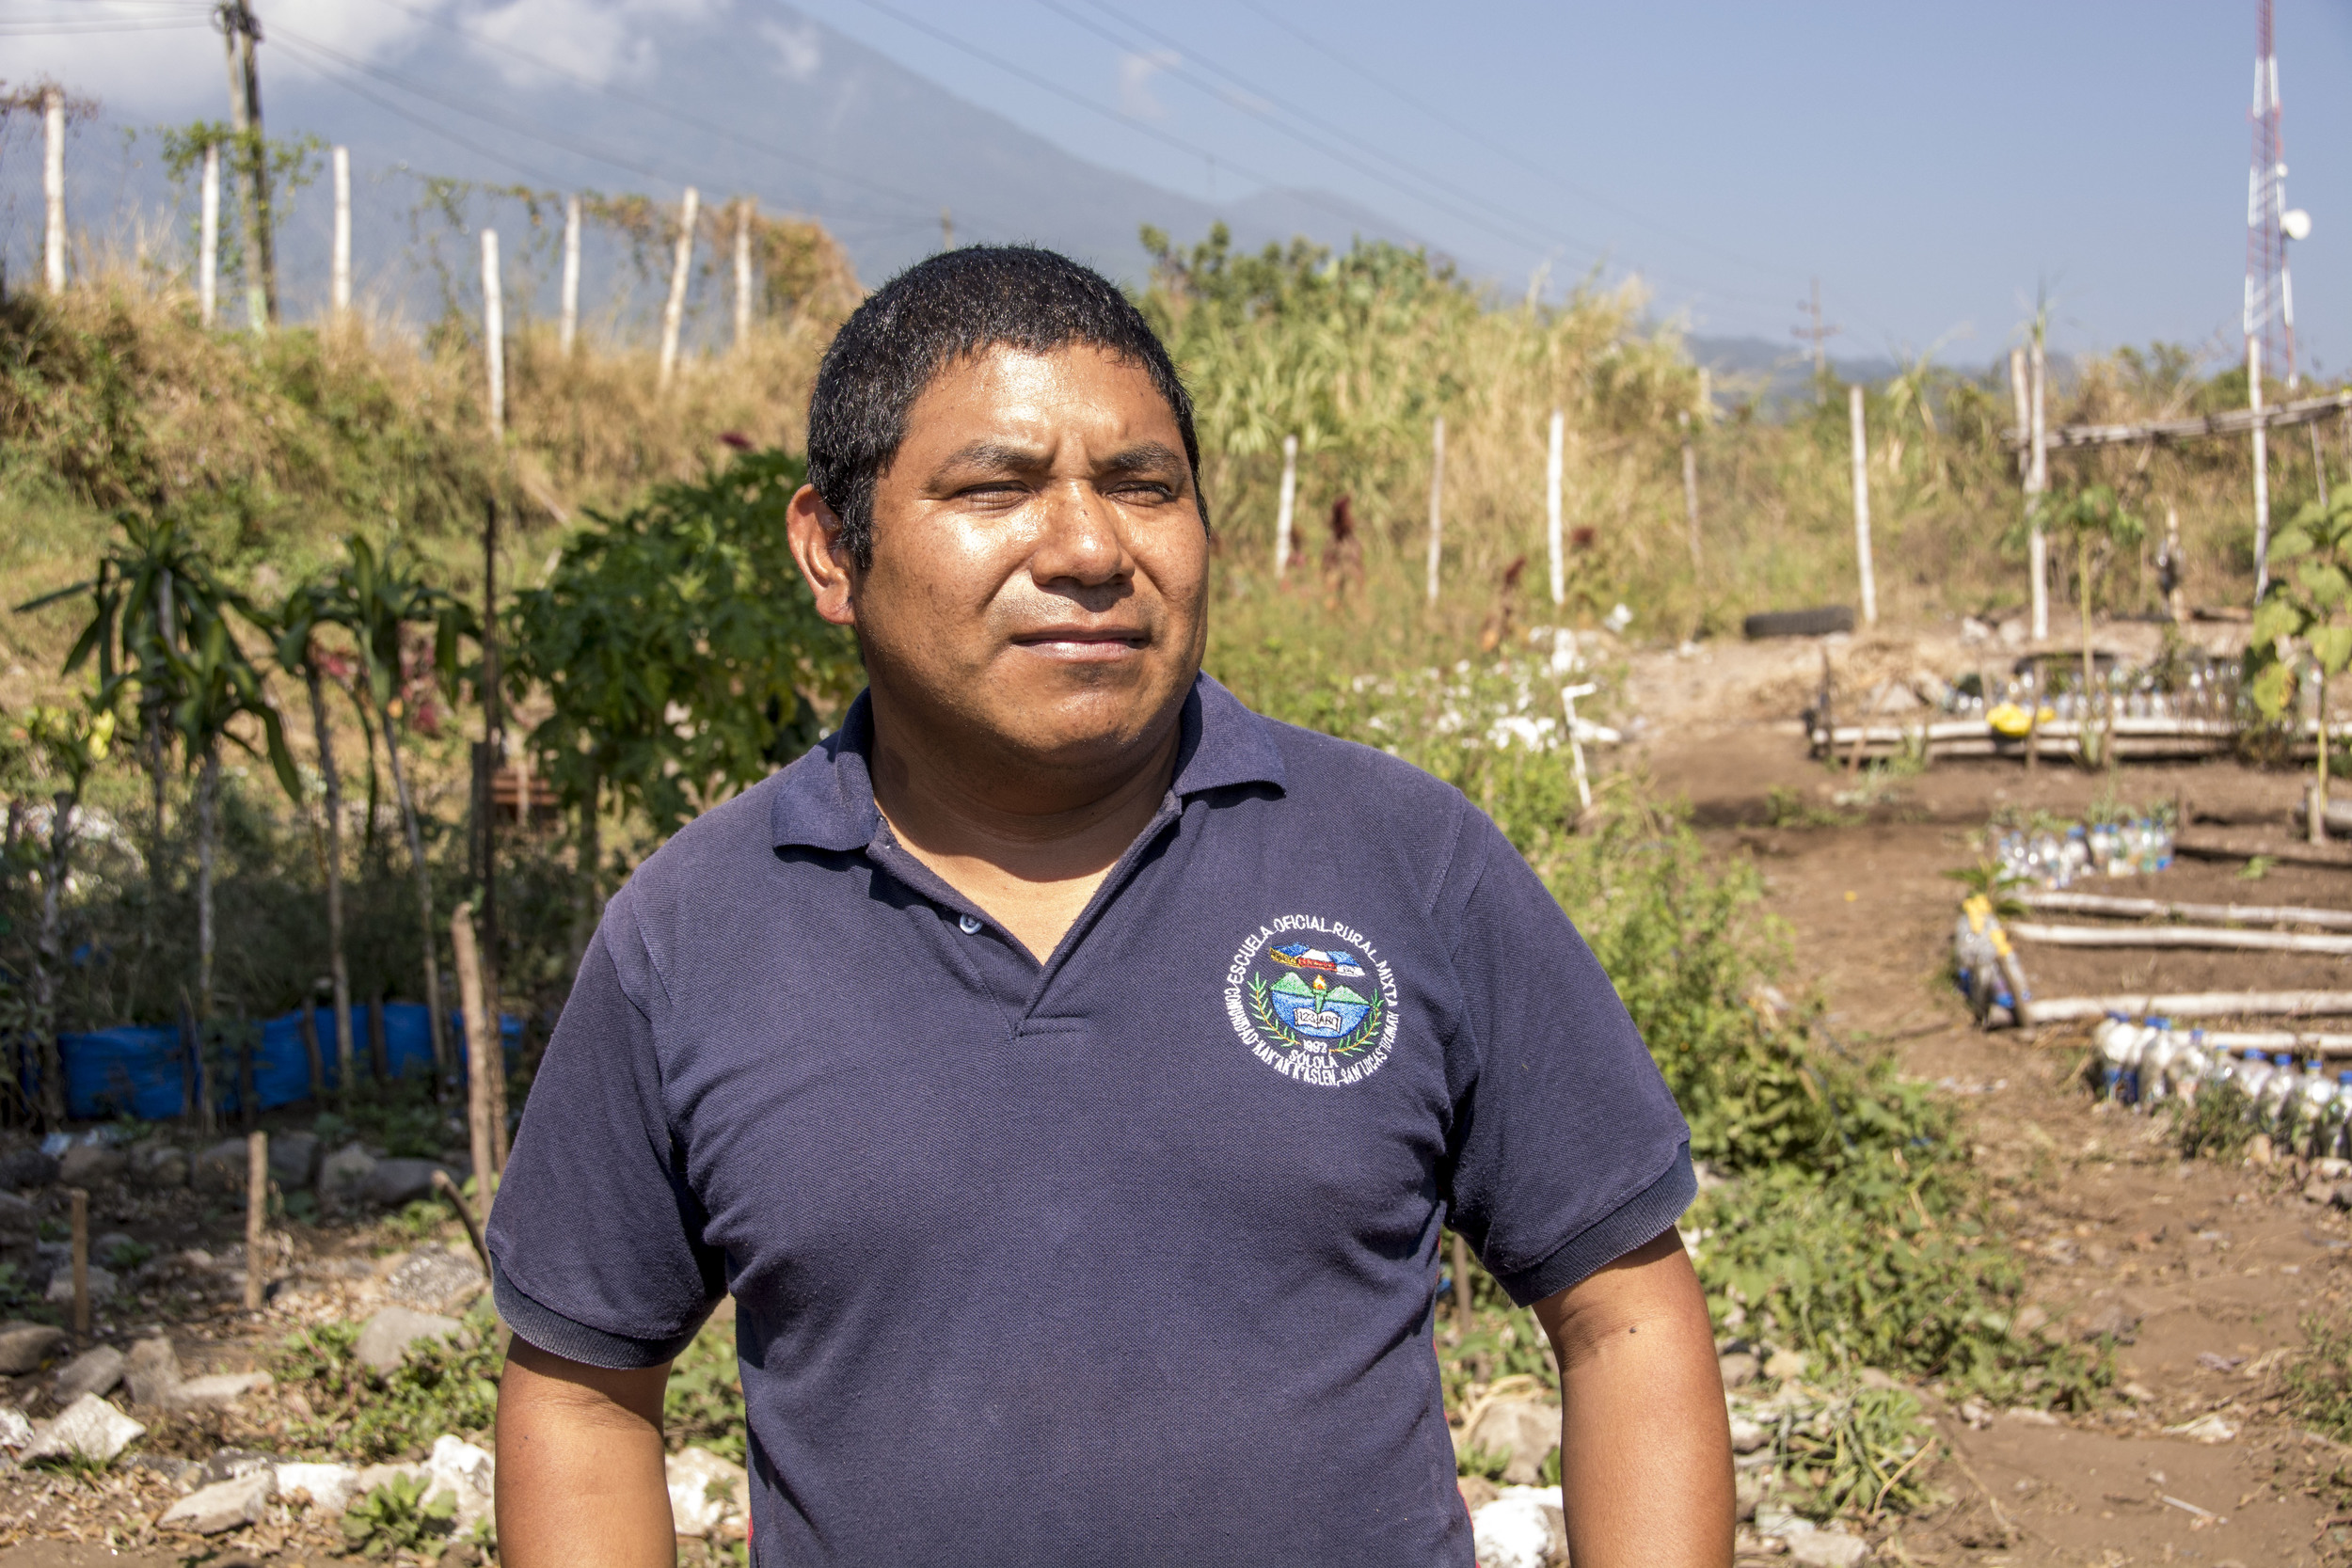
1645, 1443
579, 1476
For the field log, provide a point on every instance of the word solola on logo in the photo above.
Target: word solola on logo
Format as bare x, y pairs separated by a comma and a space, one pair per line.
1293, 999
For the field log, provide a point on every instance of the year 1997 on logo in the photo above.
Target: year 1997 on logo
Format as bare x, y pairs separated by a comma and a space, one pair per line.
1313, 1000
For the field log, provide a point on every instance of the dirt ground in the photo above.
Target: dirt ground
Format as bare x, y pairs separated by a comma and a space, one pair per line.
2208, 1269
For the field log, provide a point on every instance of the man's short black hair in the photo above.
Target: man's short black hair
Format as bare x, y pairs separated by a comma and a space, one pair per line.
938, 310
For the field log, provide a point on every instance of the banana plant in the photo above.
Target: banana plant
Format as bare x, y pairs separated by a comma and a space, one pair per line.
2310, 601
380, 599
299, 651
72, 742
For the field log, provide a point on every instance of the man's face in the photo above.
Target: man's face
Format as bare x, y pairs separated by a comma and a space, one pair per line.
1040, 565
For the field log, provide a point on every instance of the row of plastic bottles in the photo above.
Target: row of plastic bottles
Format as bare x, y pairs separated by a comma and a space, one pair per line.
2053, 858
2209, 693
2305, 1109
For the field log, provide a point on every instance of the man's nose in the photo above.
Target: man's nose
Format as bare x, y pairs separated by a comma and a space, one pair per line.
1080, 541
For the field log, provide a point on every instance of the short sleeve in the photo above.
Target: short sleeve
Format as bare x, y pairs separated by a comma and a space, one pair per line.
1567, 1149
595, 1238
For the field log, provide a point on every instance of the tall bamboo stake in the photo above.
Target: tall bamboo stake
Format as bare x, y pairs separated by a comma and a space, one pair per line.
208, 255
482, 1053
1862, 508
256, 1217
674, 312
494, 333
568, 325
52, 187
1285, 506
339, 277
2038, 482
742, 274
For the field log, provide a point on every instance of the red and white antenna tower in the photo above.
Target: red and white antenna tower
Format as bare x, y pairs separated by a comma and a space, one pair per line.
2270, 290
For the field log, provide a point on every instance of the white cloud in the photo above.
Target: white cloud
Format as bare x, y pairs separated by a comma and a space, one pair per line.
797, 49
1135, 81
172, 72
605, 40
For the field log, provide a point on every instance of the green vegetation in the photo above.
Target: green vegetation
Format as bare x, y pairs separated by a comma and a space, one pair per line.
398, 1517
704, 1404
364, 1416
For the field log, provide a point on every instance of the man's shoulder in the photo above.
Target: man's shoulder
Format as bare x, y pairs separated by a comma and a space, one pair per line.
703, 858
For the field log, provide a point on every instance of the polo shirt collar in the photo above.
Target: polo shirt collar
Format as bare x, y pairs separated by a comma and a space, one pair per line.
825, 799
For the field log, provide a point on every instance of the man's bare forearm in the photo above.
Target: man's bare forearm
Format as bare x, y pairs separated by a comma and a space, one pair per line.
1645, 1444
579, 1476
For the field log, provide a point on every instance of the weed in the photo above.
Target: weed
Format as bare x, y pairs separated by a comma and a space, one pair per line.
2256, 868
1471, 1460
1854, 1455
399, 1517
704, 1403
420, 1221
2318, 1384
1784, 807
2217, 1124
439, 1386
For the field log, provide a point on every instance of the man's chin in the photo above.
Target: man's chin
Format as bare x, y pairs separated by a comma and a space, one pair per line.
1082, 730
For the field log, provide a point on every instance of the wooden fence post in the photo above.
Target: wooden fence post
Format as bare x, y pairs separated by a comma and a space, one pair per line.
1862, 508
79, 1201
208, 256
256, 1217
1437, 501
482, 1053
673, 313
52, 187
340, 279
494, 334
1551, 509
742, 274
2037, 483
1285, 506
569, 327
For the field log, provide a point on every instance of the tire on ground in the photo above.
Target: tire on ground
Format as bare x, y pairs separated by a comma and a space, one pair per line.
1800, 623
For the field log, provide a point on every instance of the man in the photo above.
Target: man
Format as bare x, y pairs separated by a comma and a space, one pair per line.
1068, 1072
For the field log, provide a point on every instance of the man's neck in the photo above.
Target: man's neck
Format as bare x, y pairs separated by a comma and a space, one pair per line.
1027, 845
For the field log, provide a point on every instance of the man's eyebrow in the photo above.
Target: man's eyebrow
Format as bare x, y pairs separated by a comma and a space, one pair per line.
1145, 457
994, 454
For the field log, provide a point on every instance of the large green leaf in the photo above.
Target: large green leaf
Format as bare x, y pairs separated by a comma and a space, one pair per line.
2332, 647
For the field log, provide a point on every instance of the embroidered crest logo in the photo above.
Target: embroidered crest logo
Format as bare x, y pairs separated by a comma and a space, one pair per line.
1313, 1000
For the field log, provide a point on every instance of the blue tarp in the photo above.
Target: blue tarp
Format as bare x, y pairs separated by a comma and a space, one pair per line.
147, 1072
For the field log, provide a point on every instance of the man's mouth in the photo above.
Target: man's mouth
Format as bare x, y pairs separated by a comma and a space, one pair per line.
1082, 643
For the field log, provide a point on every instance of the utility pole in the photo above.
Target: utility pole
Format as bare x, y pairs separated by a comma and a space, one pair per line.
241, 31
1820, 334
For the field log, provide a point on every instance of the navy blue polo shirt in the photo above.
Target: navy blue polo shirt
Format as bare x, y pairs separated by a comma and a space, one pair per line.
1126, 1257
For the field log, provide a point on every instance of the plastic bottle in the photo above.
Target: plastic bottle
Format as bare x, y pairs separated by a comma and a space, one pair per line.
2155, 1062
2192, 1070
2279, 1093
2253, 1073
2337, 1131
2315, 1099
2114, 1039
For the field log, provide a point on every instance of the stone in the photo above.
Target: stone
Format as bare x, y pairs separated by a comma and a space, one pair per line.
89, 1429
330, 1487
223, 1167
93, 1165
101, 1284
1738, 1368
2258, 1149
1524, 1431
372, 1475
28, 1167
2012, 633
94, 1371
1785, 1363
15, 1430
19, 1220
294, 1160
157, 1164
468, 1477
215, 1390
234, 1464
2027, 1319
707, 1493
110, 1248
1476, 1491
386, 1337
24, 1346
151, 1369
222, 1506
437, 1278
2114, 1320
345, 1173
394, 1183
1822, 1549
1748, 1436
2205, 1429
1523, 1527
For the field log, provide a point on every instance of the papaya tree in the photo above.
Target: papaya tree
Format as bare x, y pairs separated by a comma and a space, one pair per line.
678, 654
2308, 601
2094, 519
70, 743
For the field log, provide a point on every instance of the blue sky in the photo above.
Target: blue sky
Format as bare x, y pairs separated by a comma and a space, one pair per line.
1935, 166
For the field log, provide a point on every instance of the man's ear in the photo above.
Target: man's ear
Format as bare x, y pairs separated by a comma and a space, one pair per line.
815, 535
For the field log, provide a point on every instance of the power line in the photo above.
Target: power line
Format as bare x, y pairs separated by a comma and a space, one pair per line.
348, 84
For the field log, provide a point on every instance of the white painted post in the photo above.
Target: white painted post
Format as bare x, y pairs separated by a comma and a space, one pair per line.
1283, 507
673, 313
2024, 411
742, 274
2262, 467
570, 328
1689, 487
53, 186
2038, 482
1862, 508
1551, 509
494, 333
1568, 694
1437, 502
208, 258
340, 294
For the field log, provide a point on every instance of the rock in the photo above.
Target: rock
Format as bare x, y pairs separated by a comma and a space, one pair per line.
2113, 1321
345, 1173
234, 1464
24, 1346
222, 1506
152, 1371
331, 1488
109, 1249
294, 1160
706, 1492
1747, 1489
1747, 1435
93, 1165
15, 1430
1521, 1528
2027, 1319
1823, 1548
1476, 1491
156, 1164
94, 1371
89, 1428
28, 1167
386, 1337
215, 1391
20, 1220
2012, 633
1522, 1430
1738, 1368
2258, 1151
1785, 1363
374, 1476
437, 1278
222, 1167
2205, 1429
469, 1476
101, 1284
393, 1182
